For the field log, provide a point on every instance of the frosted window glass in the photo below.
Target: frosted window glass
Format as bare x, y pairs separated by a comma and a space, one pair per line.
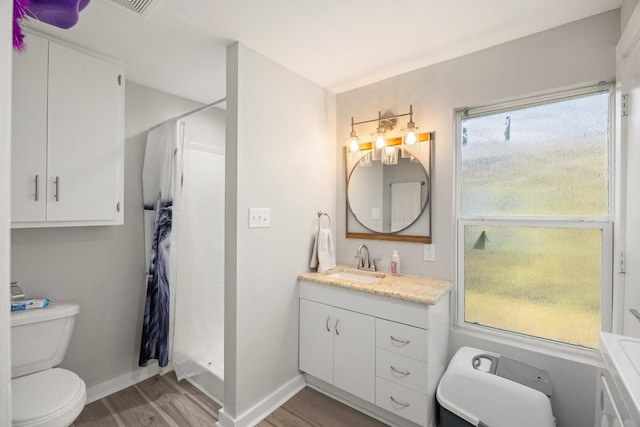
548, 159
544, 282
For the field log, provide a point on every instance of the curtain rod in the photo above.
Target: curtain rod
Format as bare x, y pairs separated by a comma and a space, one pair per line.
190, 113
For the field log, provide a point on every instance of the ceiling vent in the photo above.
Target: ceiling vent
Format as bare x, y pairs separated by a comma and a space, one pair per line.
141, 7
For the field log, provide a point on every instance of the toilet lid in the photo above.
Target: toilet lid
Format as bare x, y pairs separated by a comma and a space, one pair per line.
45, 394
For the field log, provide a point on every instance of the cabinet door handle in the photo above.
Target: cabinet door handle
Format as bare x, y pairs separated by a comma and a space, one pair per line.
403, 373
403, 342
37, 187
398, 403
57, 182
337, 330
327, 324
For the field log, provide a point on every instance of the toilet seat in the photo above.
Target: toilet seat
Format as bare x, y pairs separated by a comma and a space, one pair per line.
52, 398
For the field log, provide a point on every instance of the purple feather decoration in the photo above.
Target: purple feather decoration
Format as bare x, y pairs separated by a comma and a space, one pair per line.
19, 12
59, 13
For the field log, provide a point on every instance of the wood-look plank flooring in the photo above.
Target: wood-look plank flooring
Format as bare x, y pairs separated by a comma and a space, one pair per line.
162, 401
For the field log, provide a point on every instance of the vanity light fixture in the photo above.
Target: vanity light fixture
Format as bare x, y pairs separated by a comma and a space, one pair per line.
380, 149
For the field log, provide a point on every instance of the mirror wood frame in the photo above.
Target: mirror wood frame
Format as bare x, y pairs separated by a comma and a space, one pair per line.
365, 147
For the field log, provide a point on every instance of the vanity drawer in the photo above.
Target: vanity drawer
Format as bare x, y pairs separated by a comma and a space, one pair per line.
402, 339
401, 370
402, 401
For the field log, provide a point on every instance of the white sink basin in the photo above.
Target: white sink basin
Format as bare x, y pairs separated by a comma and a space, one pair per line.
354, 277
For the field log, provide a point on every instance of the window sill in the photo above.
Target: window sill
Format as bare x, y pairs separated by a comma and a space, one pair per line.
547, 348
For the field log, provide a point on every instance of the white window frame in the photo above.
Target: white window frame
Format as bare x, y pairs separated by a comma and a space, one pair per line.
603, 223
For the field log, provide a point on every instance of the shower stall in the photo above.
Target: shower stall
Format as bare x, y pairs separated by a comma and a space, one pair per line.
198, 339
193, 149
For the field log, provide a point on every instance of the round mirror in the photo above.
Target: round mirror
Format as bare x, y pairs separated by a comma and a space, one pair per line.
387, 198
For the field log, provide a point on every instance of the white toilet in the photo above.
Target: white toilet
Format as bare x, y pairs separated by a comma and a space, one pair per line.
42, 395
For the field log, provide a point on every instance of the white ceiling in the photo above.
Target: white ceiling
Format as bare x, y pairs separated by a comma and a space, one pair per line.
180, 45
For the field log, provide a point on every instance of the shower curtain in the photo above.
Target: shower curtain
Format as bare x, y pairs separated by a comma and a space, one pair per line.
161, 186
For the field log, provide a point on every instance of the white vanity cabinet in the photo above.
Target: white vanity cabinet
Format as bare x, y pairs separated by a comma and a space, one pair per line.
67, 164
388, 353
331, 339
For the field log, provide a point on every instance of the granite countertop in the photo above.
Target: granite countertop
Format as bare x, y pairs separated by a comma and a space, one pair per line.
417, 289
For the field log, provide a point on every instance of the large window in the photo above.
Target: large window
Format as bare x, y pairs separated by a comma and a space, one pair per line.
534, 220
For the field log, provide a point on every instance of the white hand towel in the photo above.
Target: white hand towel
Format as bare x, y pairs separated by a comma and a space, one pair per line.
326, 251
313, 263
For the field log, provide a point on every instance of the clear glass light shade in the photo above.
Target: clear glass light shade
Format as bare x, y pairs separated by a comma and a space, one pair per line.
354, 145
379, 143
389, 156
410, 135
410, 142
365, 161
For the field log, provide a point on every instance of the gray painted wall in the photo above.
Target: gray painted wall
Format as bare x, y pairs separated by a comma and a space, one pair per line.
626, 10
281, 155
577, 53
102, 268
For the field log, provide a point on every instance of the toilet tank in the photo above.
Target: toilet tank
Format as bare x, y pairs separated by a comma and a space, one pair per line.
39, 337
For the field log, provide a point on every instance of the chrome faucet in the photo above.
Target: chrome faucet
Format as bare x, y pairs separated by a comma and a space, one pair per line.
364, 262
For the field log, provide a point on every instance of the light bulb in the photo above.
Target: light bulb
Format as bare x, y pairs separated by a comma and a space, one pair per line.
380, 142
354, 146
411, 138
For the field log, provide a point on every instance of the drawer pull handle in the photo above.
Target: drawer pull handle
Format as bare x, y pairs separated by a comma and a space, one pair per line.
403, 342
327, 324
37, 188
403, 373
398, 403
337, 330
57, 183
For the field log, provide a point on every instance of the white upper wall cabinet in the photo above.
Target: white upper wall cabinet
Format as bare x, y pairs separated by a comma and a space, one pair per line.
29, 132
68, 144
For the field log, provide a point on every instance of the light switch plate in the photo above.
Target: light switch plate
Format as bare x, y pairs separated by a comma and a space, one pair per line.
430, 252
259, 217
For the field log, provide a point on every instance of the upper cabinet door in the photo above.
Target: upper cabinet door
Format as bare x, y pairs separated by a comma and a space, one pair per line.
83, 137
29, 132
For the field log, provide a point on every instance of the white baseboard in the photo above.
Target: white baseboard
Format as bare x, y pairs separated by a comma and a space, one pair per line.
260, 411
98, 391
